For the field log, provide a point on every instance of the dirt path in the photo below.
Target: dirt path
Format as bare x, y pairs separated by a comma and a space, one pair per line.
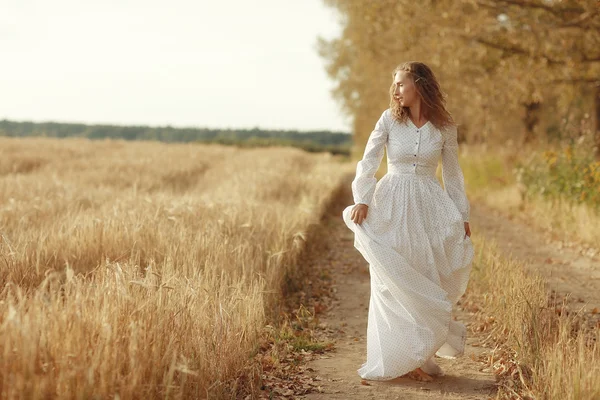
347, 323
566, 272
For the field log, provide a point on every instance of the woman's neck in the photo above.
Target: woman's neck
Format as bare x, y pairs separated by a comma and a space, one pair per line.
416, 115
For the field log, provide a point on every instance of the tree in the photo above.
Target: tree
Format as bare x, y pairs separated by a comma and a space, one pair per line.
503, 62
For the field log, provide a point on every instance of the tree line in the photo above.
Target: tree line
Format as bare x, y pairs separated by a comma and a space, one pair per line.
316, 141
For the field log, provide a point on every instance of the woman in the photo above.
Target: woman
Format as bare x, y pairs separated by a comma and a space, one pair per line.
414, 234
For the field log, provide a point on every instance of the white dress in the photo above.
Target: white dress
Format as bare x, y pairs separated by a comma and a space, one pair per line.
415, 243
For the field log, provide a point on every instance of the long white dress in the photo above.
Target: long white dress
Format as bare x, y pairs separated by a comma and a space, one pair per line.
415, 244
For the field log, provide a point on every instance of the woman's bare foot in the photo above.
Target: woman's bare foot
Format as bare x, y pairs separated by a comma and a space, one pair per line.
419, 375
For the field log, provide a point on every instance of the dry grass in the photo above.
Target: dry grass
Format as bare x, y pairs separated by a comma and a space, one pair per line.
543, 350
566, 221
541, 353
490, 178
146, 270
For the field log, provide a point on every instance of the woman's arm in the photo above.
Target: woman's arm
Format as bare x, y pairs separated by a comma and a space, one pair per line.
363, 185
452, 175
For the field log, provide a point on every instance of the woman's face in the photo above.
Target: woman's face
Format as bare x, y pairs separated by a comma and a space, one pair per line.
405, 91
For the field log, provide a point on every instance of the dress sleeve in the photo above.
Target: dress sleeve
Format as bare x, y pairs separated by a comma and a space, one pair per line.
452, 175
363, 185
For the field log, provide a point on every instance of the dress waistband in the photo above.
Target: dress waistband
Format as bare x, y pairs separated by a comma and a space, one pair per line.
409, 169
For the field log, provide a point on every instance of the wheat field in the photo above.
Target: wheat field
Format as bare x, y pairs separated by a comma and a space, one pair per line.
146, 270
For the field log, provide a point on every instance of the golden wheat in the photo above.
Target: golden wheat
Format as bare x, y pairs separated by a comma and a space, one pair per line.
145, 269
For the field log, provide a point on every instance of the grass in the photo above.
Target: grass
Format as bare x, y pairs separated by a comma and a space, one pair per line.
146, 269
543, 350
494, 177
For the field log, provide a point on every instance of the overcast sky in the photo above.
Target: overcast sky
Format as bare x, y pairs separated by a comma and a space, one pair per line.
218, 64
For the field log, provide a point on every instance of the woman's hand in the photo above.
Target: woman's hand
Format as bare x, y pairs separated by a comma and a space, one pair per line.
359, 213
467, 229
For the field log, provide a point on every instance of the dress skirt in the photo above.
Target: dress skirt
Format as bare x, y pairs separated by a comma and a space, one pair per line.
419, 261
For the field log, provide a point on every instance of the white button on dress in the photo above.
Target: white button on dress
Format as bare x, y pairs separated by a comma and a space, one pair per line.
414, 241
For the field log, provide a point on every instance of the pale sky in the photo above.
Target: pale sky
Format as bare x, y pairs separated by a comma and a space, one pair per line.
216, 64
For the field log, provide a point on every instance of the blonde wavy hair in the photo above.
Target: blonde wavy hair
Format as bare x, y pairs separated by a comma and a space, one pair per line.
433, 100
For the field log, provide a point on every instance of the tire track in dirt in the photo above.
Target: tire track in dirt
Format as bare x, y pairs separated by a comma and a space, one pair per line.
565, 270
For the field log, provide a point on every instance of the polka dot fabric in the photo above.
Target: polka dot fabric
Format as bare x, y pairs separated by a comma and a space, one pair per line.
415, 243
